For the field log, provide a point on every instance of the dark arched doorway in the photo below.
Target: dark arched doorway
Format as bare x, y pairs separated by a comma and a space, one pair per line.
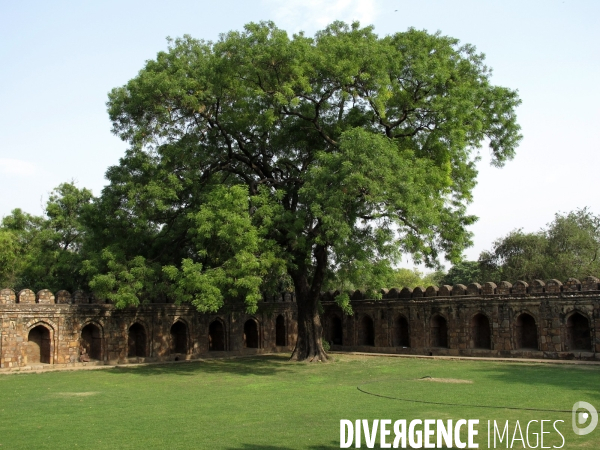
366, 332
480, 328
439, 332
336, 332
91, 341
38, 345
136, 341
179, 337
579, 335
251, 334
401, 337
280, 331
216, 336
526, 332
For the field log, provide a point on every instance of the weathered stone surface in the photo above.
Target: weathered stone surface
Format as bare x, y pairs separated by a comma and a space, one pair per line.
553, 286
418, 292
459, 289
520, 322
537, 287
432, 291
48, 333
392, 293
503, 320
445, 291
406, 293
81, 298
590, 284
63, 297
473, 289
488, 288
7, 297
504, 288
45, 297
26, 296
572, 285
520, 287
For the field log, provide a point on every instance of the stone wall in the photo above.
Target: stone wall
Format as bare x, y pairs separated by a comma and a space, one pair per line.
544, 320
57, 329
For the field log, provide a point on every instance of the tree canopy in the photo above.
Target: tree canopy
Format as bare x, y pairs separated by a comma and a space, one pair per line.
46, 252
569, 246
463, 272
263, 156
265, 160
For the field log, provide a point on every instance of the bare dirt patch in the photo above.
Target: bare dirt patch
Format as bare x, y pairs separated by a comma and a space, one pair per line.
446, 380
76, 394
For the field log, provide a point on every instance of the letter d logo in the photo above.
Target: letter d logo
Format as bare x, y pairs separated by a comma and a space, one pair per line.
582, 417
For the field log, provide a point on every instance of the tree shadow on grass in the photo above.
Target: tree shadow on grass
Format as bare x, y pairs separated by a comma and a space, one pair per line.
260, 365
578, 380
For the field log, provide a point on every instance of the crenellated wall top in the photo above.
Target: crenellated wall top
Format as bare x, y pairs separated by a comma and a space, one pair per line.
504, 288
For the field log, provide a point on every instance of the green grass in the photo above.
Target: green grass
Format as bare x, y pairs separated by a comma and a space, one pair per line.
269, 403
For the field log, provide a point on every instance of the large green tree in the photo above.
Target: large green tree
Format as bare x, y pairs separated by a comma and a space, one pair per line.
569, 246
262, 157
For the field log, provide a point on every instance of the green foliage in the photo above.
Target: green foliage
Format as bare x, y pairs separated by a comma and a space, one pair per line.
568, 247
238, 256
389, 278
463, 272
11, 258
264, 160
45, 252
413, 278
325, 157
126, 281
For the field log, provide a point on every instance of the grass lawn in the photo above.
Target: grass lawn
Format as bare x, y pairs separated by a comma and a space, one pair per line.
269, 403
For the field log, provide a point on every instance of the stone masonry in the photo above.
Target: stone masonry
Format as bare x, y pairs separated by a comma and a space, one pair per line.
542, 320
56, 329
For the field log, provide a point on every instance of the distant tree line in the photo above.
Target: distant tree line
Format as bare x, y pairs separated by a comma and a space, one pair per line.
569, 246
47, 252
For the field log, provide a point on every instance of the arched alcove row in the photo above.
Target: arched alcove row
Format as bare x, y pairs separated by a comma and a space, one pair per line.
559, 327
474, 333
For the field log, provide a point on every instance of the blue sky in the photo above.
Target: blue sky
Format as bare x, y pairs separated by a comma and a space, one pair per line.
61, 58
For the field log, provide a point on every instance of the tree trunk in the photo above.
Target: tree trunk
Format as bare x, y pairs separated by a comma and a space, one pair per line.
309, 345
